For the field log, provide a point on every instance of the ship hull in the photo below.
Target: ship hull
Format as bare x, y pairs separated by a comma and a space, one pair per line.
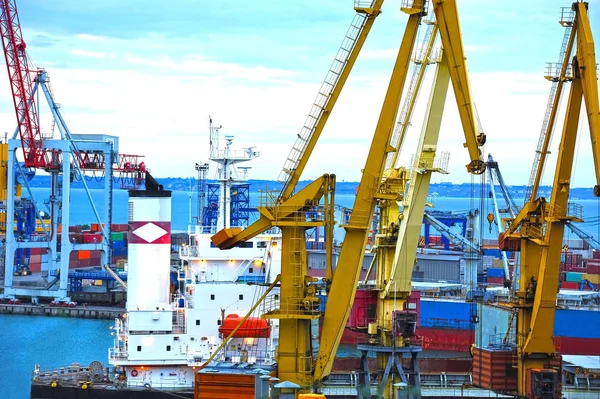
102, 392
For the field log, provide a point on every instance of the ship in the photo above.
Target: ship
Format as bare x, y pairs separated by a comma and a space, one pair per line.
164, 338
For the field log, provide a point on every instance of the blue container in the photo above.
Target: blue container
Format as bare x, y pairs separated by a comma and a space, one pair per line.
491, 272
181, 303
119, 251
452, 315
117, 244
571, 323
492, 252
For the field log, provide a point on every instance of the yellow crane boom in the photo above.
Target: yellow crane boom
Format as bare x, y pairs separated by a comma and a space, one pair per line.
446, 14
538, 229
347, 273
366, 12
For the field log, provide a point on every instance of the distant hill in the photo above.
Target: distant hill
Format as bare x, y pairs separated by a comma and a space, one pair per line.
462, 190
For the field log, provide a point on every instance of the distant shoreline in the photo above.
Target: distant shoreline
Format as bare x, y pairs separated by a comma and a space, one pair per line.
448, 190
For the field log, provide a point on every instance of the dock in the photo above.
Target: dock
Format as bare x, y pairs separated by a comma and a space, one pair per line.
87, 312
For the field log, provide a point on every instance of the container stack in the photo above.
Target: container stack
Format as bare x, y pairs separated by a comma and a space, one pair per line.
570, 262
118, 243
593, 269
31, 258
495, 276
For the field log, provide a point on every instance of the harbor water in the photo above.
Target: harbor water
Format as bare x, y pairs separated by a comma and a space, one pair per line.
184, 208
54, 342
51, 342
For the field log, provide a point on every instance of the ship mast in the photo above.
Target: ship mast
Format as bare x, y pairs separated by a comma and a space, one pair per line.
227, 174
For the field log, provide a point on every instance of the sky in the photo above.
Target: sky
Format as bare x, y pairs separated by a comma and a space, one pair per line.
151, 72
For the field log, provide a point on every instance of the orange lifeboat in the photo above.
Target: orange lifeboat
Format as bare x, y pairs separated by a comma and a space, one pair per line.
253, 327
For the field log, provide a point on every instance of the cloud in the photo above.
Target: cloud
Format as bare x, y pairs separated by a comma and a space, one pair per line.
155, 91
92, 54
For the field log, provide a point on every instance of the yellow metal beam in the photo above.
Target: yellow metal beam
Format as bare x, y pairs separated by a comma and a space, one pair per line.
271, 215
552, 117
372, 13
399, 282
446, 13
585, 68
345, 279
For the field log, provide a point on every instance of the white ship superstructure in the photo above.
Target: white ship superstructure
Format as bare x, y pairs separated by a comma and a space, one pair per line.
169, 332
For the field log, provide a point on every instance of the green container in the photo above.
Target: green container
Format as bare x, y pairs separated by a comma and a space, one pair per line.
117, 236
574, 277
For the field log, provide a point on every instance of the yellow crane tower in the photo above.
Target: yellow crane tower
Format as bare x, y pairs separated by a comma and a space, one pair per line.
537, 231
297, 304
293, 213
399, 231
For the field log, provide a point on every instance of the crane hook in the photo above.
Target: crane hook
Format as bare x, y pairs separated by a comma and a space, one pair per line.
490, 218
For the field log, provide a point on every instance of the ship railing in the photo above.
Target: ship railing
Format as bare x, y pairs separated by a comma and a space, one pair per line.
235, 356
290, 306
117, 354
158, 385
69, 373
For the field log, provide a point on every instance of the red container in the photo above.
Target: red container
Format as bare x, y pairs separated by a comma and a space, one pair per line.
75, 229
492, 369
92, 238
73, 263
364, 310
85, 262
593, 268
495, 280
413, 304
575, 268
569, 285
120, 227
446, 339
35, 266
596, 255
76, 238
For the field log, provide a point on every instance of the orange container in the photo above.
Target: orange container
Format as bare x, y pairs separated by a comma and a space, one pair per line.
84, 254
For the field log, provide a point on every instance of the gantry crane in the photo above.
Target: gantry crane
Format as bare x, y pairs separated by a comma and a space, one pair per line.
399, 230
537, 231
65, 159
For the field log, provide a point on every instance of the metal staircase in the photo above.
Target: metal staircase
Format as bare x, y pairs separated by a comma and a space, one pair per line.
553, 74
325, 91
420, 60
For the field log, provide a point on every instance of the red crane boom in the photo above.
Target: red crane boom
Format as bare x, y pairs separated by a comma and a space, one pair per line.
21, 79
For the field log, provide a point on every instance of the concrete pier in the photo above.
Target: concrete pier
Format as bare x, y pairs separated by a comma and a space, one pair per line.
88, 312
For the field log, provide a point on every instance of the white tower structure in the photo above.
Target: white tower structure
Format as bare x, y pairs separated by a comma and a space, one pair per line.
149, 252
227, 173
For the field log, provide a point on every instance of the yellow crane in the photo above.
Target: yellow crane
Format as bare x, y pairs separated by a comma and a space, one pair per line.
296, 307
537, 231
297, 303
399, 231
